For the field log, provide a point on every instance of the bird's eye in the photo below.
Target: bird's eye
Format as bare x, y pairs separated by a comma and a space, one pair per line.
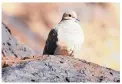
69, 15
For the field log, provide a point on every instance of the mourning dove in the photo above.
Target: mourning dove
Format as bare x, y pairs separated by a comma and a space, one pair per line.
66, 38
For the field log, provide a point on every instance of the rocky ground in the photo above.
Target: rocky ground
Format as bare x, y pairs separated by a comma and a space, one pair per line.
21, 64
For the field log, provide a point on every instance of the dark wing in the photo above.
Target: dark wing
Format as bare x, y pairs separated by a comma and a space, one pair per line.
50, 45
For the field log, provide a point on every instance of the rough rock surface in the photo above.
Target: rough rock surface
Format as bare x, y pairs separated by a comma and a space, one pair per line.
50, 68
12, 47
59, 69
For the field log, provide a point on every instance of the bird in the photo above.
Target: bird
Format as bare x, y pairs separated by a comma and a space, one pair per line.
66, 38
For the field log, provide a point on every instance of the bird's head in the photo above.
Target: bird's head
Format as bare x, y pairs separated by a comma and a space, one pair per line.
69, 15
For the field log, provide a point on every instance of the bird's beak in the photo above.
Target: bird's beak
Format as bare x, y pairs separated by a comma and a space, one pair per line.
78, 20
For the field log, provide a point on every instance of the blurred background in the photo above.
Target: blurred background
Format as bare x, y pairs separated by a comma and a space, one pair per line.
31, 23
